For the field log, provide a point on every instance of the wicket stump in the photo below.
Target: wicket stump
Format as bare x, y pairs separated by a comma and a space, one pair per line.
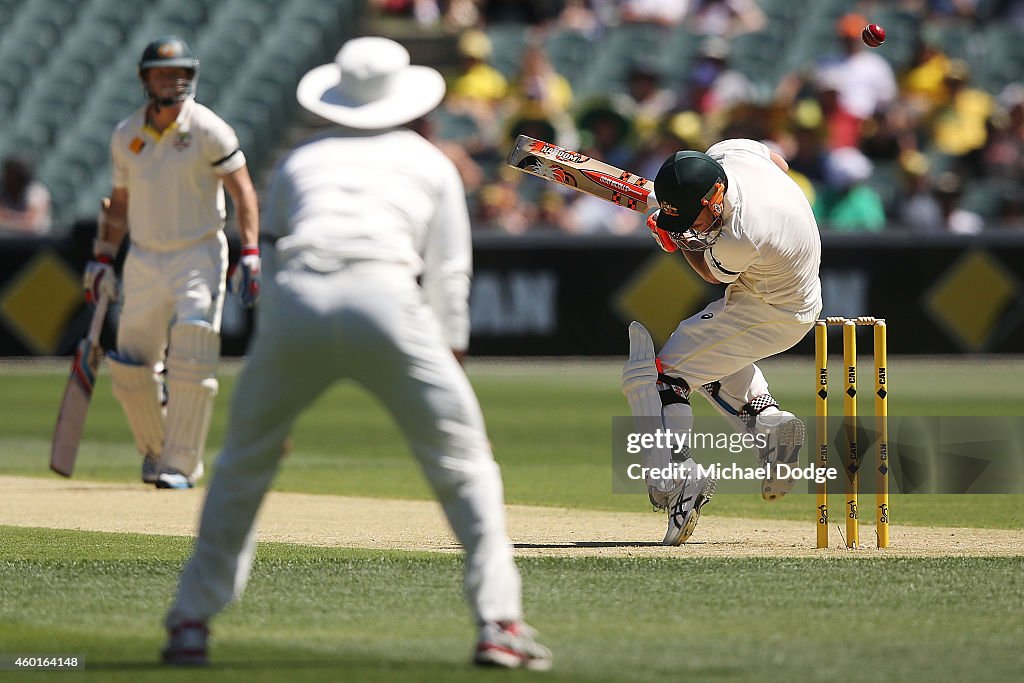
851, 460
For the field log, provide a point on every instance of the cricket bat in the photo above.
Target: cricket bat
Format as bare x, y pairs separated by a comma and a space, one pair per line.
582, 173
75, 405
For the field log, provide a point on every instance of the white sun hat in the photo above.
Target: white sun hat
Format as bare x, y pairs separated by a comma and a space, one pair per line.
370, 86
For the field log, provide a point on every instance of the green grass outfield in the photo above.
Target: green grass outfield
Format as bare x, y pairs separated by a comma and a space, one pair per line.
342, 614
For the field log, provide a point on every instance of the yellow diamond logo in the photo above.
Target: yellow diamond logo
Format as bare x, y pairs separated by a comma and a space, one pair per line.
39, 301
664, 291
956, 304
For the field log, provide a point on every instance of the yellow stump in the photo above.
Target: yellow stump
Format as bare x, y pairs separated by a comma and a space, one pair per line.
851, 461
821, 408
882, 427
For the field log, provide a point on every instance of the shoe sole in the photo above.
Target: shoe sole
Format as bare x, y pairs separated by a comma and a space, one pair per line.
173, 486
185, 660
501, 659
537, 664
790, 440
694, 516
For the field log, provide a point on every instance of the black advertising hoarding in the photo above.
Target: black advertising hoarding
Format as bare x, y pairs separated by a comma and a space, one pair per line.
555, 295
572, 296
42, 305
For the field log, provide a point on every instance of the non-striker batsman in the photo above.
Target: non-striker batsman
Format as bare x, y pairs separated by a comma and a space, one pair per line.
738, 219
172, 160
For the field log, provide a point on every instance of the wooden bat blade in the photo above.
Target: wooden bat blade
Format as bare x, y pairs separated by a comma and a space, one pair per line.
74, 407
67, 435
581, 173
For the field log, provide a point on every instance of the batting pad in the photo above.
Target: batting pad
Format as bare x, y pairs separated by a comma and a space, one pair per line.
139, 390
639, 384
191, 388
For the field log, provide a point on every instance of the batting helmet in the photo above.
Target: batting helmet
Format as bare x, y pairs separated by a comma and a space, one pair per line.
681, 186
169, 51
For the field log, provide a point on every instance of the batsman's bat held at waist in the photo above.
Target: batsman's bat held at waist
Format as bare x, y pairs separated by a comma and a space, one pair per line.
582, 173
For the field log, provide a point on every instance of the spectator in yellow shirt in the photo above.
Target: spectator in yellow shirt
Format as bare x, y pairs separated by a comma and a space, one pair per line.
478, 80
959, 126
539, 85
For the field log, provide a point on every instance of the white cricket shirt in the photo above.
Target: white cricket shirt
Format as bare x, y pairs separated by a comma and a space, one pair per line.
769, 243
175, 193
379, 196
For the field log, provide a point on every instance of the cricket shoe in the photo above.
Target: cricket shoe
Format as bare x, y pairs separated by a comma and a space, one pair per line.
684, 507
510, 645
150, 469
186, 644
173, 479
786, 434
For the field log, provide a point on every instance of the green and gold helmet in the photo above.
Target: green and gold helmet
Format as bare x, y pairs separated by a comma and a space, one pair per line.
169, 51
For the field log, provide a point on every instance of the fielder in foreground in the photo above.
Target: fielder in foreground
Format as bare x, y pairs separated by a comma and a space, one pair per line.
172, 160
739, 219
361, 212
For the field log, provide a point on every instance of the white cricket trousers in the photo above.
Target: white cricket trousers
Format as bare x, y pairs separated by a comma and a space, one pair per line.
163, 287
367, 322
722, 343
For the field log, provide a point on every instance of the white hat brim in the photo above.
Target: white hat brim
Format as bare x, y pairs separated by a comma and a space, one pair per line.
416, 90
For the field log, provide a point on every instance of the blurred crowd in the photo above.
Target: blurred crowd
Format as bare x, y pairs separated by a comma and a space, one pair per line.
24, 201
876, 143
923, 134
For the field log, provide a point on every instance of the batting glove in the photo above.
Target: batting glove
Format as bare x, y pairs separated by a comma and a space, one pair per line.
99, 277
244, 276
660, 236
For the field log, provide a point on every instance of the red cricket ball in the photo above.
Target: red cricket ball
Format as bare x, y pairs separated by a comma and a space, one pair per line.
873, 35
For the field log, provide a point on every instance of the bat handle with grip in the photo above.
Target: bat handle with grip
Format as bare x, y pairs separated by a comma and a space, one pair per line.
96, 327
